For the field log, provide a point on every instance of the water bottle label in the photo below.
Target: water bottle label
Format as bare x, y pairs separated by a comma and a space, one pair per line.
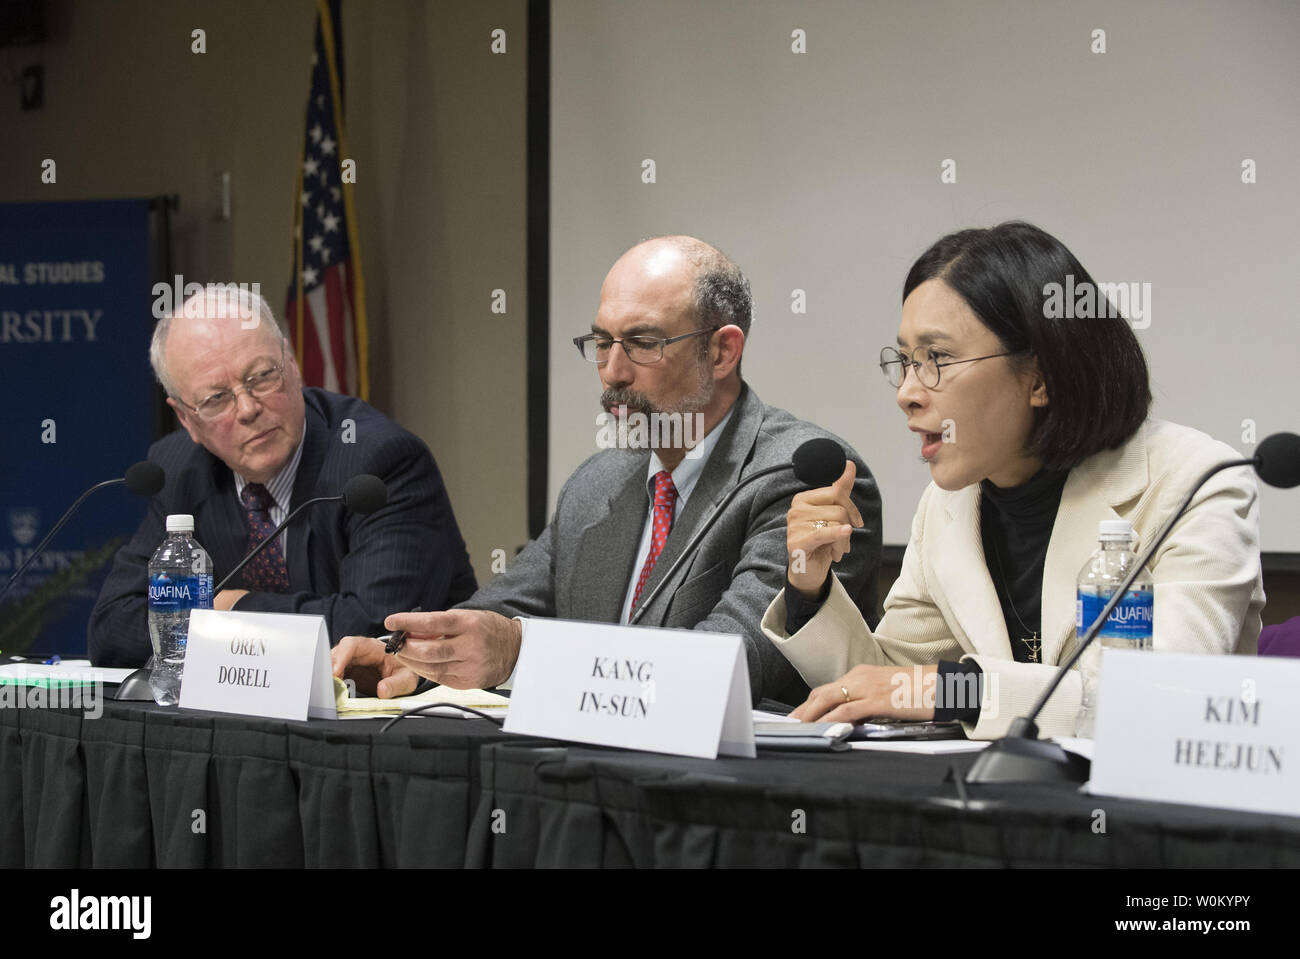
169, 593
1130, 619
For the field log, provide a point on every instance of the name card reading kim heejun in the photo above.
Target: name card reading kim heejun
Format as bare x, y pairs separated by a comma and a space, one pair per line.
677, 691
258, 664
1210, 730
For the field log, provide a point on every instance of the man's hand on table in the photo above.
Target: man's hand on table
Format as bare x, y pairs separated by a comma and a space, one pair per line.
460, 648
362, 659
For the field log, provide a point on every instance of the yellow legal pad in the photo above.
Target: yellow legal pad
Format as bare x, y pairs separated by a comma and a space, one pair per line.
368, 707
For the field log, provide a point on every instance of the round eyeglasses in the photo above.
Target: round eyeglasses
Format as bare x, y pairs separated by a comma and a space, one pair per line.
895, 364
257, 384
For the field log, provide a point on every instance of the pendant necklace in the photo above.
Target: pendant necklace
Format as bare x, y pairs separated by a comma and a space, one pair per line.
1033, 644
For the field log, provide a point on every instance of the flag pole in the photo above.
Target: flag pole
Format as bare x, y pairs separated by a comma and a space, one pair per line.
354, 241
297, 259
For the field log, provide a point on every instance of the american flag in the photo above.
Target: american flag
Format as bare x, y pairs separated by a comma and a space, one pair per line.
326, 310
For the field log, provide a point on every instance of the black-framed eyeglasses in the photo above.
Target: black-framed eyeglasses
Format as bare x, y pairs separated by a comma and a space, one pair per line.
895, 364
259, 383
642, 350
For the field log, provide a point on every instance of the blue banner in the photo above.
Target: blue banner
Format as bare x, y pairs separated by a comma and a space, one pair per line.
76, 387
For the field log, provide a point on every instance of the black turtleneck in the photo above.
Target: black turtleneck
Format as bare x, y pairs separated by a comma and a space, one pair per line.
1015, 528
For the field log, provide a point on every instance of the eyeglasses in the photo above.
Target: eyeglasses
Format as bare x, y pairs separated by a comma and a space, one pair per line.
895, 364
642, 350
258, 384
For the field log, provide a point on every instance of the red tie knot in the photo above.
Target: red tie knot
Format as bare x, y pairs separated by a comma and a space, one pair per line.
665, 491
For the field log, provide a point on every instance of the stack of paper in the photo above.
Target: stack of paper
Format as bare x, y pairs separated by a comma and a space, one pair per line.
368, 707
70, 672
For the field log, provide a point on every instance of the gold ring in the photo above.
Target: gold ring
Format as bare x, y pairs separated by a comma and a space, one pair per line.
820, 524
845, 691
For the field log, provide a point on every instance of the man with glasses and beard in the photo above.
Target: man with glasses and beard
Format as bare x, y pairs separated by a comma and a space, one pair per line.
666, 341
256, 443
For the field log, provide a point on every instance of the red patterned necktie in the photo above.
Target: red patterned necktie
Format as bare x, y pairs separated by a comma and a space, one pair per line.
665, 501
267, 572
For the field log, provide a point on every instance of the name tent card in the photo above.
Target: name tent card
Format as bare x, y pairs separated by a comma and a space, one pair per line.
677, 691
1209, 730
275, 665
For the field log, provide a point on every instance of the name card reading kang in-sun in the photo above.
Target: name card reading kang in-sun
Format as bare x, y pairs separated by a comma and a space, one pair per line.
1209, 730
258, 664
613, 700
676, 691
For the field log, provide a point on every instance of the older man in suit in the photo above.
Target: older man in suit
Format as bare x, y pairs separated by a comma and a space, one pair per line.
667, 341
255, 443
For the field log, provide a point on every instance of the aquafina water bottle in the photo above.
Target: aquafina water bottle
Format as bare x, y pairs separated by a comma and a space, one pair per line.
180, 579
1129, 624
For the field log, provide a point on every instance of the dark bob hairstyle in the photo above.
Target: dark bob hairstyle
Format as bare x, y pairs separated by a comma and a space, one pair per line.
1098, 389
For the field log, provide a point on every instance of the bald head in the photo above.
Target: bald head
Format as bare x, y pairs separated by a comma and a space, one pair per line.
688, 296
716, 288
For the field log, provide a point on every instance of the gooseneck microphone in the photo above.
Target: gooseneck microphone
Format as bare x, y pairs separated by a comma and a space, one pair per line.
1020, 756
144, 478
816, 463
363, 494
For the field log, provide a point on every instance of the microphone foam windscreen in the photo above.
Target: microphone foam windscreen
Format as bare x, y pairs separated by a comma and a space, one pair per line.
818, 462
145, 478
1277, 460
365, 493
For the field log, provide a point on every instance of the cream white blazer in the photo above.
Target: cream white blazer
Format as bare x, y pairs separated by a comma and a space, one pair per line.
1208, 588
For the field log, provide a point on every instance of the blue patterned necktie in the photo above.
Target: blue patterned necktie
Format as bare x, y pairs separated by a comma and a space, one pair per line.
267, 572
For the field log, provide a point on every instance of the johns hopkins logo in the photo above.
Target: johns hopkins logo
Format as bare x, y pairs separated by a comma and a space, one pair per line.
23, 524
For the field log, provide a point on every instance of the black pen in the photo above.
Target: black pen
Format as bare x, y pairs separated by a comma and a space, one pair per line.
393, 642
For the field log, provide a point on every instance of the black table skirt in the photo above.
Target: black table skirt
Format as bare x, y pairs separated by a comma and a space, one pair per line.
580, 806
145, 786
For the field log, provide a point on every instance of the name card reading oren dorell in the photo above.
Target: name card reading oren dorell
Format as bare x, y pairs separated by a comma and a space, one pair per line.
258, 664
1210, 730
678, 691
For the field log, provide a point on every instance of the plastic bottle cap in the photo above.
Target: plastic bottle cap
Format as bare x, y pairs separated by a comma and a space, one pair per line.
180, 523
1115, 529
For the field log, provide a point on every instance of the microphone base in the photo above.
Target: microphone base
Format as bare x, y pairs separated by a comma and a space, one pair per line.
1021, 757
135, 688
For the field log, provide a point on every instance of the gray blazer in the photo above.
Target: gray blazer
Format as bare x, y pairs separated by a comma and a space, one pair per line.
580, 566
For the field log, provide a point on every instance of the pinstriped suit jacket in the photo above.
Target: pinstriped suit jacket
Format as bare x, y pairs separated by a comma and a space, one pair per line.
580, 566
353, 570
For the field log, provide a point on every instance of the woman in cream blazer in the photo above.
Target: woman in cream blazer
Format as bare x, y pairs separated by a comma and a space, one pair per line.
1000, 386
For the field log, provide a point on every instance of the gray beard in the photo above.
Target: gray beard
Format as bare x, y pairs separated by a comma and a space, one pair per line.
629, 443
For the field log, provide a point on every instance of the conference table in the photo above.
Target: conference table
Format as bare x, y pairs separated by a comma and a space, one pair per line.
144, 785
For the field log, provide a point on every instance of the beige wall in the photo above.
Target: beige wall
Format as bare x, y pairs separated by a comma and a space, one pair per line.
436, 124
439, 132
